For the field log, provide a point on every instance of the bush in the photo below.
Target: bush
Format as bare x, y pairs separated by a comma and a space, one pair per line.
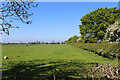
72, 39
103, 41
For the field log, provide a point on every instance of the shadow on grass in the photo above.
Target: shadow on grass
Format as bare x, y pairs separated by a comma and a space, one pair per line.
46, 69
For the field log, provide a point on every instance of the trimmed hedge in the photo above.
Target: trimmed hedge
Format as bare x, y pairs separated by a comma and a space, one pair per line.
104, 49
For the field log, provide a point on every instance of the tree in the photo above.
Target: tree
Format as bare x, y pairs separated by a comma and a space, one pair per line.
72, 39
95, 23
15, 11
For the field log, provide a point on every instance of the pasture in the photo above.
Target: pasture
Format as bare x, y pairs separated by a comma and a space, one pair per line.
45, 61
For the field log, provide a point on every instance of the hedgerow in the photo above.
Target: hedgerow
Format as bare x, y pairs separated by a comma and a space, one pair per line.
105, 50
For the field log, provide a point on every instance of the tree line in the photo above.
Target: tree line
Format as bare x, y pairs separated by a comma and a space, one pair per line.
37, 42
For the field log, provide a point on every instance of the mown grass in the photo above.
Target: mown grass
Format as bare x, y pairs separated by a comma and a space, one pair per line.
39, 61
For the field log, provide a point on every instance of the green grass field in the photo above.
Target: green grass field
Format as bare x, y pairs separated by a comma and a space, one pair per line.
39, 61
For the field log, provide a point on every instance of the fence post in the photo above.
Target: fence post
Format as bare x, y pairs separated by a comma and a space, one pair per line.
54, 73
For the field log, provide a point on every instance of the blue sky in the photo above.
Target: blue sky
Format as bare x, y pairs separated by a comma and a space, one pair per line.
56, 21
67, 0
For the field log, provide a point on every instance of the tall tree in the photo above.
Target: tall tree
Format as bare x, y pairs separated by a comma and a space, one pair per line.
95, 23
15, 11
